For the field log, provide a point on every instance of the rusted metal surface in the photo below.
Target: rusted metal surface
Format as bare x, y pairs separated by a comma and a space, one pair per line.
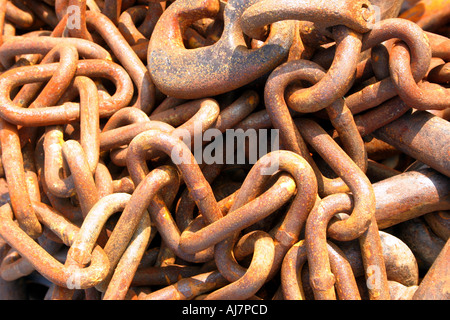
435, 283
428, 14
121, 176
418, 133
170, 63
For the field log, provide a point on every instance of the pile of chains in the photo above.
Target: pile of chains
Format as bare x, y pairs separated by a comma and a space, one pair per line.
106, 104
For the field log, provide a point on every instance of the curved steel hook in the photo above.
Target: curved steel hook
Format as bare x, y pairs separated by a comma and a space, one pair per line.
183, 73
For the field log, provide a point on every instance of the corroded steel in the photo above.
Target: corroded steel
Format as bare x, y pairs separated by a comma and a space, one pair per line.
123, 123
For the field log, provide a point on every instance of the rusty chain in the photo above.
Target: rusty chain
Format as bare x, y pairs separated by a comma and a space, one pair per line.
121, 179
